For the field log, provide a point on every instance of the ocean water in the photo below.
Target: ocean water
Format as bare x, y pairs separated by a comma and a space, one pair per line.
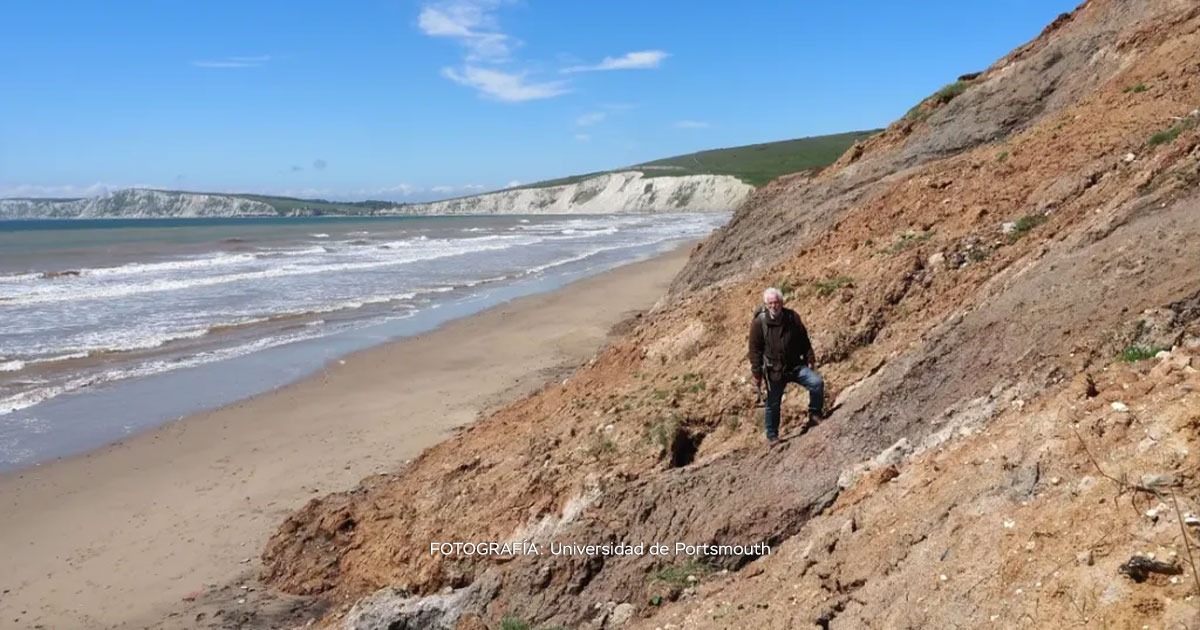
101, 321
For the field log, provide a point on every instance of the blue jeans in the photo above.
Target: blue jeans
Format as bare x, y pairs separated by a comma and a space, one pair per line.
805, 377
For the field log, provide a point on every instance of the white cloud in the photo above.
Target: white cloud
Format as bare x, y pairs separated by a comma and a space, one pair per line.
639, 60
504, 86
473, 25
512, 184
582, 137
691, 124
590, 118
234, 62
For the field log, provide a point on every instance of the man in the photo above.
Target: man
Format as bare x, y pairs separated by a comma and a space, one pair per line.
781, 353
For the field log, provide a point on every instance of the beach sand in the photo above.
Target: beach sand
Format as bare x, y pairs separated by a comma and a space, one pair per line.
119, 537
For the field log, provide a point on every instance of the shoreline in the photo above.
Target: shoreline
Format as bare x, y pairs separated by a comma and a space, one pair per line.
119, 536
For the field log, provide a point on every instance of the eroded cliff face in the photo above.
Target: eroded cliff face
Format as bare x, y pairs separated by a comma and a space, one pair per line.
970, 276
625, 191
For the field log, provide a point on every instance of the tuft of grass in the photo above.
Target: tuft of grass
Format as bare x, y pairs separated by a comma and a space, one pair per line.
949, 92
1137, 352
906, 240
1024, 225
513, 623
1168, 135
1002, 157
1136, 89
1030, 221
826, 288
785, 287
662, 432
678, 574
916, 112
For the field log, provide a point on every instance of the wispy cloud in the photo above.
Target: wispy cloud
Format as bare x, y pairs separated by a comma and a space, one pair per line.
296, 168
583, 137
639, 60
473, 24
590, 118
320, 164
691, 124
234, 62
504, 86
512, 184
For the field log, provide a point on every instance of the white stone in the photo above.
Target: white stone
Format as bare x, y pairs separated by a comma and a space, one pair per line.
1119, 406
621, 614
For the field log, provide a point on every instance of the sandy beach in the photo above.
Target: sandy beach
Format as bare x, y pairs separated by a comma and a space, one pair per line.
118, 537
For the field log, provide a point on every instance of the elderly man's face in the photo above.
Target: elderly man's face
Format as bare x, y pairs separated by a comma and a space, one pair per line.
774, 305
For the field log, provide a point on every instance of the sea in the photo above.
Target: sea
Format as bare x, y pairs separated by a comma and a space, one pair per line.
113, 326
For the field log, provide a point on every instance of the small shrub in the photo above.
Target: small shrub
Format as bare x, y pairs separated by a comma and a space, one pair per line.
826, 288
1137, 352
1002, 157
1136, 89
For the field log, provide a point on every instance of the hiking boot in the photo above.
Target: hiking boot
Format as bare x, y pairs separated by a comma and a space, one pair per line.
814, 418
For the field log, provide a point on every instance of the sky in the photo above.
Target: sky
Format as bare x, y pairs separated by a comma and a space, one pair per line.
410, 100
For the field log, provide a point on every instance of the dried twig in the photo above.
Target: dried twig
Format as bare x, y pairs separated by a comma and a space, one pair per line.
1120, 482
1187, 545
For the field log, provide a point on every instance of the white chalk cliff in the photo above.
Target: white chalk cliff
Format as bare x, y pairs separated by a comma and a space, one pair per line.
624, 191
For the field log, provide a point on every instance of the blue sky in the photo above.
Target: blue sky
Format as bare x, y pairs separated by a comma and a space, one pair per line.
416, 100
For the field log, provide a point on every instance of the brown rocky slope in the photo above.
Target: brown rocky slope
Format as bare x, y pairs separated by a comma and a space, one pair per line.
969, 275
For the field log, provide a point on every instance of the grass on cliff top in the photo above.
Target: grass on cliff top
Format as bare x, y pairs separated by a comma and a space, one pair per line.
755, 164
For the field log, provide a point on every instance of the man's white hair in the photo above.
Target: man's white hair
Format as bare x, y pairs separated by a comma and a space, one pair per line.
772, 291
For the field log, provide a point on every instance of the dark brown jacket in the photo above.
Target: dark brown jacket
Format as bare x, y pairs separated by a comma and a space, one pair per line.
786, 346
